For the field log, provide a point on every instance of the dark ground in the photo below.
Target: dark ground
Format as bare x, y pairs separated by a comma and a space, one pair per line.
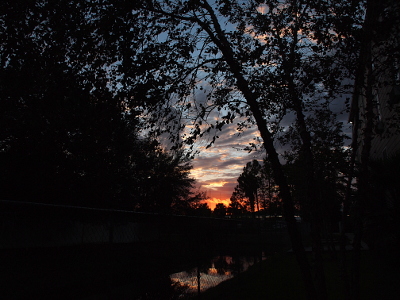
279, 278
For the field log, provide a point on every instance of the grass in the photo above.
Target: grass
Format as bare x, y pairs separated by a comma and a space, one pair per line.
279, 278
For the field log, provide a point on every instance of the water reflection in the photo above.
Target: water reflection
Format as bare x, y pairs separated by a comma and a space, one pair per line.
157, 284
210, 274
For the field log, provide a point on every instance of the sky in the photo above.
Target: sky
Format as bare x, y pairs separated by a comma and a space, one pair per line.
217, 168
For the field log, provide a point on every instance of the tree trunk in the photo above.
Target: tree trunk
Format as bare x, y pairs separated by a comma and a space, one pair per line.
288, 207
280, 179
311, 191
367, 135
346, 208
220, 40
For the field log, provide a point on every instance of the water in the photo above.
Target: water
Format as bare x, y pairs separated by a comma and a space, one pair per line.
211, 273
191, 281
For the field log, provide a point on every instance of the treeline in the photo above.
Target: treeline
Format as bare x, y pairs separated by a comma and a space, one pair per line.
257, 193
257, 189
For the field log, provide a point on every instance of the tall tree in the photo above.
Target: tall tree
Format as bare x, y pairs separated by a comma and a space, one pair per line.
238, 204
377, 69
256, 190
268, 191
248, 182
283, 57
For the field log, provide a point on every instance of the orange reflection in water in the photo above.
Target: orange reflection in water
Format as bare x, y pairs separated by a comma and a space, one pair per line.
222, 268
208, 279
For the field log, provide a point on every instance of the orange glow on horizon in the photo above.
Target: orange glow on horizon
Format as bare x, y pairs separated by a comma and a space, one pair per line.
212, 202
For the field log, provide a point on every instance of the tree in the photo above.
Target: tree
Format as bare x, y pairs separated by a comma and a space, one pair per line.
65, 137
220, 210
202, 210
268, 192
269, 63
249, 183
284, 58
377, 70
330, 164
237, 206
255, 191
69, 134
168, 184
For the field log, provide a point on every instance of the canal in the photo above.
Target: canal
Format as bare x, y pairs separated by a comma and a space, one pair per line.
192, 280
58, 252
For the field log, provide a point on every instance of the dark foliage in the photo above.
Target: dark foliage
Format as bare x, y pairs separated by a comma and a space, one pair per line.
69, 134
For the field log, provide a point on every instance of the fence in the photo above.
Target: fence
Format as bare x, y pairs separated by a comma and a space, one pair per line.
54, 250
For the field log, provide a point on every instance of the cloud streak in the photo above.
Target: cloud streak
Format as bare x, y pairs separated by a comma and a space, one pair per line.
217, 168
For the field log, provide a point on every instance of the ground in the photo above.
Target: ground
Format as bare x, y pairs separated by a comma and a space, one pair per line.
279, 278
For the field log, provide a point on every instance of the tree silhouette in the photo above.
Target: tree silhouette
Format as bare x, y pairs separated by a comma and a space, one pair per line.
69, 133
268, 192
265, 63
237, 205
168, 181
188, 65
256, 190
249, 183
220, 210
377, 70
201, 210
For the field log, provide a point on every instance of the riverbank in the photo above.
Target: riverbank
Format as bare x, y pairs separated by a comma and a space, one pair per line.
279, 277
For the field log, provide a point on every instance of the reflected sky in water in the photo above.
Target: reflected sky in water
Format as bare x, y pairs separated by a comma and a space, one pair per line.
220, 268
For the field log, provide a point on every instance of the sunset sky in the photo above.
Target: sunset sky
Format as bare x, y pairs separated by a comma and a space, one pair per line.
217, 168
